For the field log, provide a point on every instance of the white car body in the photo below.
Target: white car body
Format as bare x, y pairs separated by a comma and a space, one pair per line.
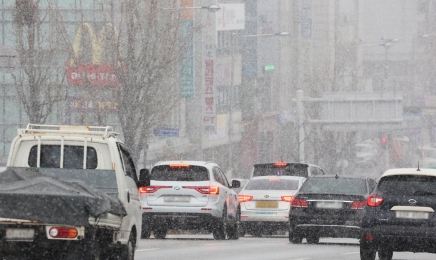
196, 203
267, 207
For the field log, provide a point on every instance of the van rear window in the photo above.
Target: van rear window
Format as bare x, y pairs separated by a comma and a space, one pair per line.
269, 169
271, 184
408, 185
73, 157
191, 173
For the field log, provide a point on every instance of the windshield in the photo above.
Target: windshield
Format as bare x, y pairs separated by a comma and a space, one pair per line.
272, 184
340, 185
288, 170
192, 173
408, 185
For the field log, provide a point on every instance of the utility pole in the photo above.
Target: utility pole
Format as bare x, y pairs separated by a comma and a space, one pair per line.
300, 111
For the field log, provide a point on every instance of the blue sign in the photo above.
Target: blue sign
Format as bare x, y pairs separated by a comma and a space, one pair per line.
167, 132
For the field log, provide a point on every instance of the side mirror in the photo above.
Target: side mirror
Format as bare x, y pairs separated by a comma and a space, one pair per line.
144, 177
236, 184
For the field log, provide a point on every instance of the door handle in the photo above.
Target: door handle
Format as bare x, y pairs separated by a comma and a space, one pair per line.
128, 197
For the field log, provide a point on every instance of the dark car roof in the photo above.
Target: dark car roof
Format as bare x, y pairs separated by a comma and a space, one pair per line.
340, 176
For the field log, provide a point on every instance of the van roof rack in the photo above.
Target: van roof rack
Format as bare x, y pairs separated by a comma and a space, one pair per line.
94, 131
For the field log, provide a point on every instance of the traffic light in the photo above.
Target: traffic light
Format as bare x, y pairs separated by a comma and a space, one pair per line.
384, 142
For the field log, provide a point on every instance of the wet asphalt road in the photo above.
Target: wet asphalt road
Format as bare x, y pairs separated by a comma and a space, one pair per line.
190, 247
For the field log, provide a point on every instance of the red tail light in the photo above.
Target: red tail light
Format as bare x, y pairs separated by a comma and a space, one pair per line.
374, 200
244, 198
63, 232
287, 198
152, 189
280, 164
213, 190
358, 204
299, 203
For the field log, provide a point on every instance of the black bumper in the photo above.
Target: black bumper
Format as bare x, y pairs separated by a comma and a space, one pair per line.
187, 221
341, 231
412, 239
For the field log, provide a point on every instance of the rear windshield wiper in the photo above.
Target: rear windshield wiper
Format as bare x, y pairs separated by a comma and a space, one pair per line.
421, 192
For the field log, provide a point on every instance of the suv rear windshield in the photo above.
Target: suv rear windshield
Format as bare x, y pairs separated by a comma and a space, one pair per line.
191, 173
270, 169
408, 185
349, 186
272, 184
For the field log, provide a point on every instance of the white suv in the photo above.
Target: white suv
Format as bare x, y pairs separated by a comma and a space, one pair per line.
189, 195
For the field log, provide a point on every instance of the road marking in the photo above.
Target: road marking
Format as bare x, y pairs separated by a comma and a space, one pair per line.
147, 249
351, 253
215, 244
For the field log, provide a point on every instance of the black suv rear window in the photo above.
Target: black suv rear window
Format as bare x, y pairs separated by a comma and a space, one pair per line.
272, 184
408, 185
191, 173
73, 157
348, 186
270, 169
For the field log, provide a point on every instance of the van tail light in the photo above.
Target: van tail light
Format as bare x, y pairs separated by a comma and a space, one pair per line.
287, 198
152, 189
374, 201
213, 190
358, 204
63, 232
299, 203
245, 198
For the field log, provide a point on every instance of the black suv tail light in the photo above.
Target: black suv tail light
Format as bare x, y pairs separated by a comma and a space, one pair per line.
374, 201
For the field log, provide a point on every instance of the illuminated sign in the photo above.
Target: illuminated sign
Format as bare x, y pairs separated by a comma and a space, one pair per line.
94, 72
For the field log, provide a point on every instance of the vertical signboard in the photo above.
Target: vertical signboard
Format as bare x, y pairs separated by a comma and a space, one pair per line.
209, 89
306, 18
186, 36
230, 17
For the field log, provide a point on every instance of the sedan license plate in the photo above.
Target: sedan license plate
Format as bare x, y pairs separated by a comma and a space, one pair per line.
20, 234
329, 205
267, 204
177, 199
412, 214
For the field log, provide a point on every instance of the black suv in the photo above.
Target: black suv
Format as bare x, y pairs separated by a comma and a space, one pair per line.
328, 206
399, 215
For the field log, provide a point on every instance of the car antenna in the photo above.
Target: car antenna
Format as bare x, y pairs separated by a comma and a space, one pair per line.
418, 170
336, 176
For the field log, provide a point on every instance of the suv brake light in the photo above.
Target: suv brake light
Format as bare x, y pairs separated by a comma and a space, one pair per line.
152, 189
280, 164
179, 165
299, 203
287, 198
358, 204
213, 190
244, 198
374, 200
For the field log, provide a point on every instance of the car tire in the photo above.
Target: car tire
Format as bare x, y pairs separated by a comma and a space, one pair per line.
312, 239
127, 252
385, 254
233, 229
295, 238
219, 231
160, 233
257, 232
145, 233
367, 253
242, 230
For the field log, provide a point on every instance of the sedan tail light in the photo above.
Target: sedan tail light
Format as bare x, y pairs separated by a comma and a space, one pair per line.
374, 201
213, 190
245, 198
299, 203
287, 198
358, 204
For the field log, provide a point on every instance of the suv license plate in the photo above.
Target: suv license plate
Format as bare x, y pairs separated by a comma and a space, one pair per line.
329, 205
176, 198
20, 234
412, 214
